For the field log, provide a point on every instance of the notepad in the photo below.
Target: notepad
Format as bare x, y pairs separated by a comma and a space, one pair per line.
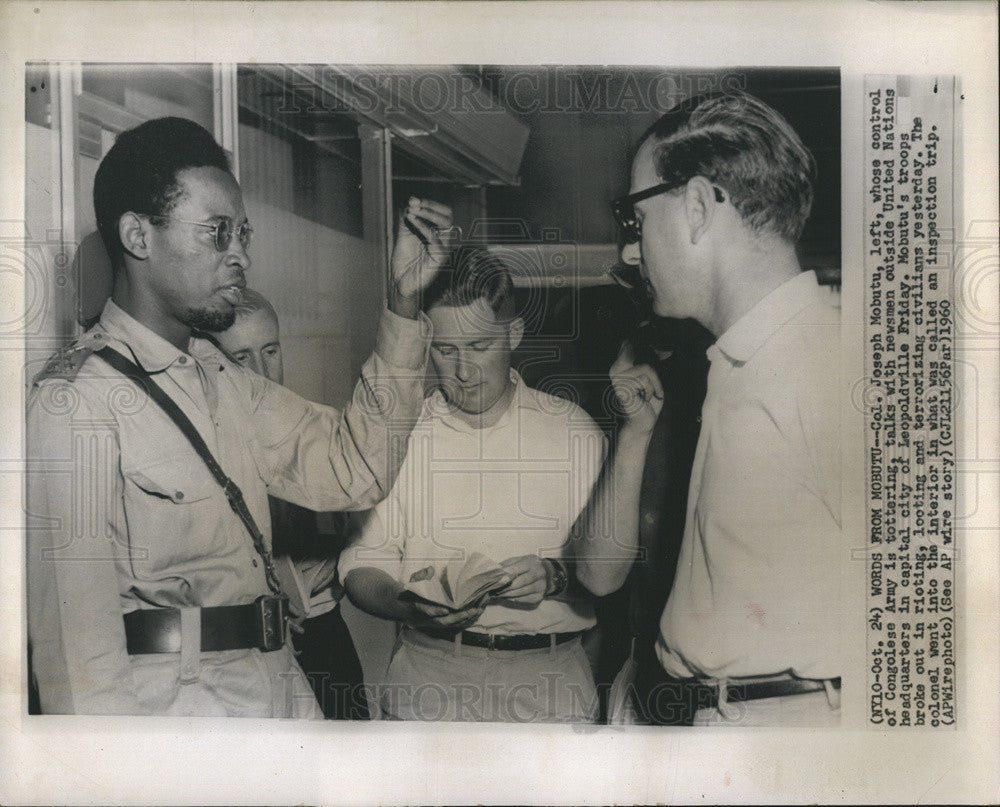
462, 583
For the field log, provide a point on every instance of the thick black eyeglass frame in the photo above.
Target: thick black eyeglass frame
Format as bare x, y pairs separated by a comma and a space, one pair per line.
623, 208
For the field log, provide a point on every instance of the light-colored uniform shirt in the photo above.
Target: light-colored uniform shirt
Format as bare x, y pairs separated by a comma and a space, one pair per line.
756, 589
512, 489
124, 515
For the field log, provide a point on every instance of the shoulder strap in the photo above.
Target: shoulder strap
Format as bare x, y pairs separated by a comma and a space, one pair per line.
233, 493
65, 364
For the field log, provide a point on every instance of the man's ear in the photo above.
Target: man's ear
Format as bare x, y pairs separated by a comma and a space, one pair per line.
515, 331
132, 232
700, 206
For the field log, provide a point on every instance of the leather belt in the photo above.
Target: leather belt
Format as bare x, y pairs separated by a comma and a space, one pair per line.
757, 690
261, 624
706, 691
496, 641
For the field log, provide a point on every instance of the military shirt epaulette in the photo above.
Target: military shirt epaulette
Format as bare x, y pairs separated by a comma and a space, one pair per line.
66, 363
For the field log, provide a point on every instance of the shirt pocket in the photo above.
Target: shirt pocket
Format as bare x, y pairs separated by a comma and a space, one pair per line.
172, 510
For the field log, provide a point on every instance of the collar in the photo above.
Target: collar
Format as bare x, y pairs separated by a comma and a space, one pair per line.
151, 351
436, 407
749, 333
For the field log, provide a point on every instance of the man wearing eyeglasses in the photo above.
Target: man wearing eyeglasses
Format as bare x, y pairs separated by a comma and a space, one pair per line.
721, 189
151, 586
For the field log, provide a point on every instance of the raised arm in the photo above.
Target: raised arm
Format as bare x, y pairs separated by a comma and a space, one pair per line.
324, 459
422, 245
607, 533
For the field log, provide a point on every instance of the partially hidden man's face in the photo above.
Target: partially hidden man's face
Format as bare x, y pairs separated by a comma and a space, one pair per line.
191, 281
470, 353
253, 342
663, 252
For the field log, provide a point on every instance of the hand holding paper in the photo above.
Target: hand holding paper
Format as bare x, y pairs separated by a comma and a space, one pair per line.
529, 580
460, 584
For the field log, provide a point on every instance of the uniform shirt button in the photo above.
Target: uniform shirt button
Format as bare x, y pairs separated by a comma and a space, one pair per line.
254, 561
179, 494
182, 360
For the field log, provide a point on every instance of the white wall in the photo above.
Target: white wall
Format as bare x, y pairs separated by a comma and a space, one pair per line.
49, 283
328, 294
323, 283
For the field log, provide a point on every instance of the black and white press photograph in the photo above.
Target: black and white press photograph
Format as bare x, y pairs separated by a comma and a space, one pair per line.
457, 393
498, 403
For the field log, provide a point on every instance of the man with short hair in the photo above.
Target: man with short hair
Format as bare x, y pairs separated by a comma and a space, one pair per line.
151, 587
492, 467
305, 555
721, 188
253, 340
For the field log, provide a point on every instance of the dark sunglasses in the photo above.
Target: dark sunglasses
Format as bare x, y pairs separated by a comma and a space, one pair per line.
223, 230
623, 208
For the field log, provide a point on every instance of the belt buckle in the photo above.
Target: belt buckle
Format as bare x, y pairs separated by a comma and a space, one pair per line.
270, 618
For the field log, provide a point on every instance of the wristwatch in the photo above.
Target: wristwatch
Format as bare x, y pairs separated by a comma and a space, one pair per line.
558, 579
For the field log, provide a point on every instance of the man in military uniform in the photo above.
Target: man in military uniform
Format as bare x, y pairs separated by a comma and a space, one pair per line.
151, 589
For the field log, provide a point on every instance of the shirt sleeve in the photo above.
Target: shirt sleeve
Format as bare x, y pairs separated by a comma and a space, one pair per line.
588, 449
376, 539
74, 501
324, 459
590, 453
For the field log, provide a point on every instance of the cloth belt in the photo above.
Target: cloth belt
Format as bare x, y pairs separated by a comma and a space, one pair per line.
261, 624
495, 641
